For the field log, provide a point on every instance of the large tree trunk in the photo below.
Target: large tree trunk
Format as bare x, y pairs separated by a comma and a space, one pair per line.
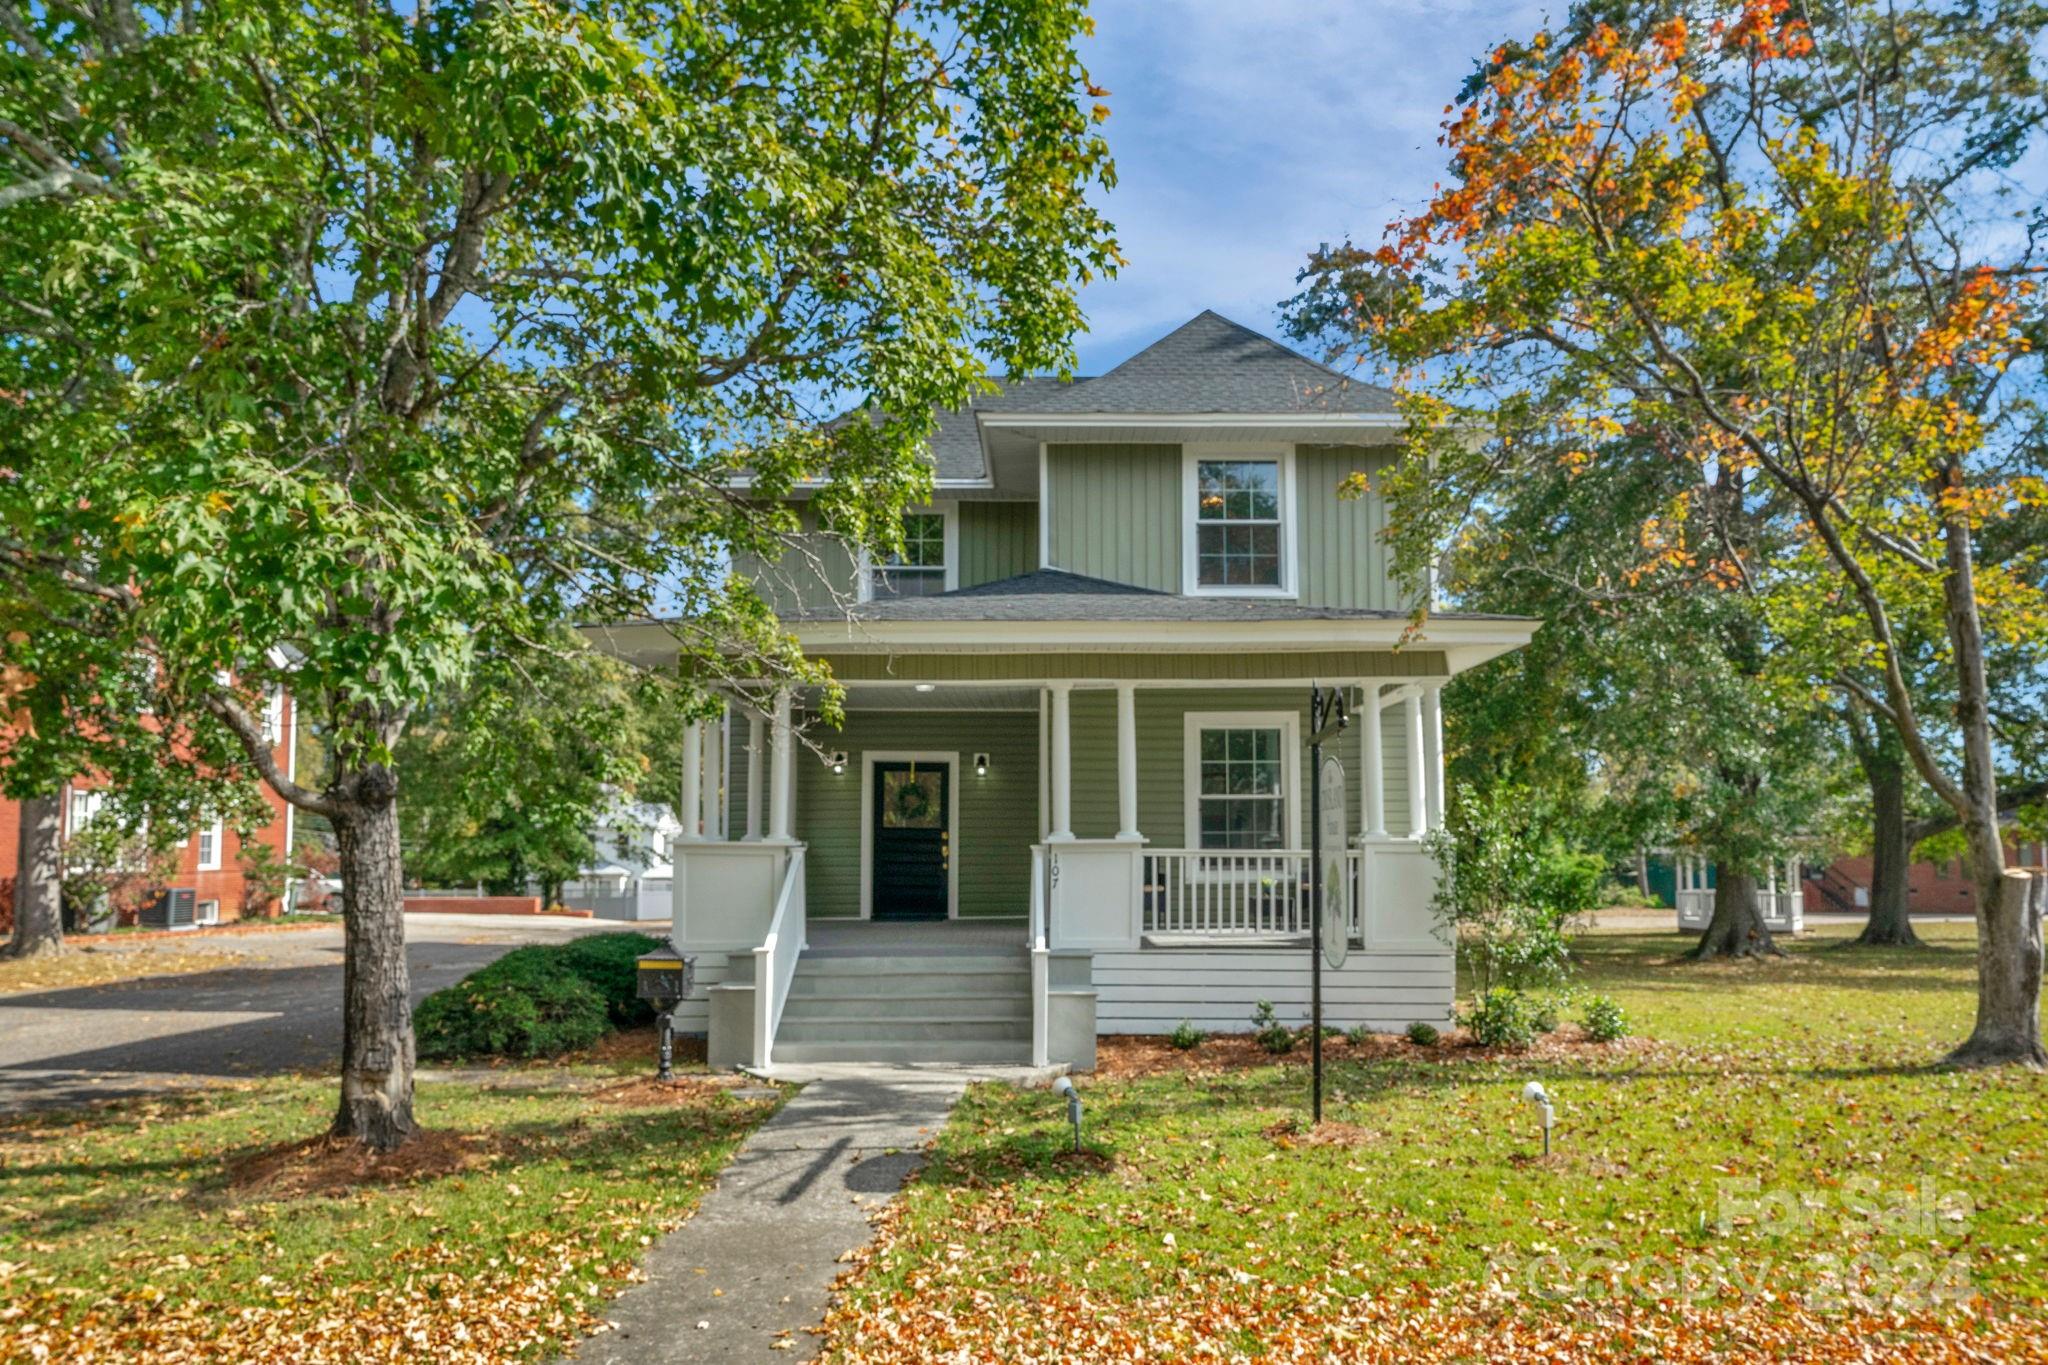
38, 882
1738, 928
2010, 908
376, 1039
1642, 874
1891, 854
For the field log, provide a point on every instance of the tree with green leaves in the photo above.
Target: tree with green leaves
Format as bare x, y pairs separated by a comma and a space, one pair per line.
506, 779
398, 334
1777, 245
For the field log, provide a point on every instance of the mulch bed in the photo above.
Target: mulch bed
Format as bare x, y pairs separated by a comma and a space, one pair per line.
1123, 1055
326, 1165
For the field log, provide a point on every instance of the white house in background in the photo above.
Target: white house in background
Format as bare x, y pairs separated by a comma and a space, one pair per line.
1069, 793
630, 876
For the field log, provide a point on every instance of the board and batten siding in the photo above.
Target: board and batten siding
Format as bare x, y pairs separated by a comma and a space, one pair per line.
1162, 783
1216, 989
817, 571
998, 813
1115, 512
997, 540
1343, 554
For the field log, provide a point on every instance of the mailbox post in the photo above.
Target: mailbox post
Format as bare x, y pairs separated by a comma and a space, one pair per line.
663, 979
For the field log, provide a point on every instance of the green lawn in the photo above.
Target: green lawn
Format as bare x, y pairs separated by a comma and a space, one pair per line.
1892, 1203
137, 1230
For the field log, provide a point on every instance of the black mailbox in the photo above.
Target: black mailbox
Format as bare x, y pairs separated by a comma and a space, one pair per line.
662, 979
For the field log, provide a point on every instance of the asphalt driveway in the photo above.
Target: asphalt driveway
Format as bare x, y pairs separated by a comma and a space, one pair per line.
279, 1010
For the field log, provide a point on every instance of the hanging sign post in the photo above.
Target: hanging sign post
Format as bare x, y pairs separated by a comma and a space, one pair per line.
1327, 717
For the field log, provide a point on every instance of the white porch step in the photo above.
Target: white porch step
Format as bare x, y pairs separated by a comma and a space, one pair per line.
881, 1051
907, 1007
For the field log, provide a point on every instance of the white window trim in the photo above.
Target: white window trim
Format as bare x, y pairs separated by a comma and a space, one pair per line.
1288, 723
1190, 539
206, 912
949, 510
868, 759
219, 837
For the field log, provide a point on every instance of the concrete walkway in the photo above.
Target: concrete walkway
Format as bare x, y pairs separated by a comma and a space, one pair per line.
755, 1265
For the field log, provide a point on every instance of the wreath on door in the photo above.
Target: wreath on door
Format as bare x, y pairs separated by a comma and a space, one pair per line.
911, 800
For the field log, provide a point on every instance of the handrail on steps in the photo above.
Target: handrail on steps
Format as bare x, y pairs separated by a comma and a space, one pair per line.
775, 960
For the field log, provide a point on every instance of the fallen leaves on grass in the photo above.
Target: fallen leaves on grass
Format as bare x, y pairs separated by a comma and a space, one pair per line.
1328, 1133
325, 1165
95, 965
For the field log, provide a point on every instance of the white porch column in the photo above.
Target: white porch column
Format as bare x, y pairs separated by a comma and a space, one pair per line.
714, 778
756, 736
1062, 763
1127, 761
1433, 749
692, 803
1372, 777
782, 789
1418, 784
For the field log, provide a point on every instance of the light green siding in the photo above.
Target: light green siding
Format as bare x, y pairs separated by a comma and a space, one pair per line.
1116, 512
997, 540
998, 813
814, 573
1161, 723
1343, 559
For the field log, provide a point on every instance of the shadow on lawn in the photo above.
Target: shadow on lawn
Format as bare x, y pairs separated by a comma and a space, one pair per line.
625, 1143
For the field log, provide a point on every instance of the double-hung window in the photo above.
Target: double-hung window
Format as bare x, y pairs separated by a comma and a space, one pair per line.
1239, 536
209, 846
1241, 774
919, 569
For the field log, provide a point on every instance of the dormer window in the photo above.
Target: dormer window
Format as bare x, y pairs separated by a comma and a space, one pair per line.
924, 566
1238, 541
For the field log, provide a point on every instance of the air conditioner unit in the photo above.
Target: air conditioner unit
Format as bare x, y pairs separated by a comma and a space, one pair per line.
172, 909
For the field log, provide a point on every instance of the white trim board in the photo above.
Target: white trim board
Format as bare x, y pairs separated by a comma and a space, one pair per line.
868, 759
1288, 723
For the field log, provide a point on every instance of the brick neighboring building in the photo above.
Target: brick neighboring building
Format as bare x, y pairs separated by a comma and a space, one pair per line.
208, 859
1943, 888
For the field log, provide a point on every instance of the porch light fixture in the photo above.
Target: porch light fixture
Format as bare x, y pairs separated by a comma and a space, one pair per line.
981, 765
838, 760
924, 687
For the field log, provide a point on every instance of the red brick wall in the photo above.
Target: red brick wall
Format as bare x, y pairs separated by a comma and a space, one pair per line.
224, 885
1931, 888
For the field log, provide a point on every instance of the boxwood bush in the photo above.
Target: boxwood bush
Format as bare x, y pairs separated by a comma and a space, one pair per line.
536, 1001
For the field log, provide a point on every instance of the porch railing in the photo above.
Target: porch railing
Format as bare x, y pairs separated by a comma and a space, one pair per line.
775, 960
1212, 893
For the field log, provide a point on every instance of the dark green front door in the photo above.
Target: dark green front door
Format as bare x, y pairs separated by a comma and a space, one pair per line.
913, 842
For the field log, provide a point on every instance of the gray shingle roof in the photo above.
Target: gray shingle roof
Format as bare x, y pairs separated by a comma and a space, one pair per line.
956, 443
1211, 364
1054, 595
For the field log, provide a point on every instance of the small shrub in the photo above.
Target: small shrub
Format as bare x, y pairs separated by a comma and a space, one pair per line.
1186, 1036
526, 1004
1604, 1020
1422, 1034
1502, 1017
1269, 1032
606, 961
1361, 1035
1543, 1015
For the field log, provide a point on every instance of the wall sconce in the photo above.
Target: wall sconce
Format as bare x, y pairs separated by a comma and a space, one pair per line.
981, 765
838, 760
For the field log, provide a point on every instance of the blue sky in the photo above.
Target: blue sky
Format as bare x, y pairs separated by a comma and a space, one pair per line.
1247, 131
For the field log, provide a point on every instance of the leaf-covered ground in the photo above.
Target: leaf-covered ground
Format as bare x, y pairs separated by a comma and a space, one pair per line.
204, 1226
96, 965
1777, 1174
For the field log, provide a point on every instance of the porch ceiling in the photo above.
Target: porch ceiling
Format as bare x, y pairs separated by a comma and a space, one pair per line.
904, 696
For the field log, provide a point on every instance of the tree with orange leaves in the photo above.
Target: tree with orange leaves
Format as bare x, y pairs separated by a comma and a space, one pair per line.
1784, 246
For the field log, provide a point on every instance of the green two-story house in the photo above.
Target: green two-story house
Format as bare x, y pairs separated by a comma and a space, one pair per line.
1071, 792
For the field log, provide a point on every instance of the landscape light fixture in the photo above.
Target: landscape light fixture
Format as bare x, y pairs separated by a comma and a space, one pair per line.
1065, 1086
1534, 1093
981, 765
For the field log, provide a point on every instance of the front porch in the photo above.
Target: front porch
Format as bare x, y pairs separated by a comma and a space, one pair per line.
1094, 861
